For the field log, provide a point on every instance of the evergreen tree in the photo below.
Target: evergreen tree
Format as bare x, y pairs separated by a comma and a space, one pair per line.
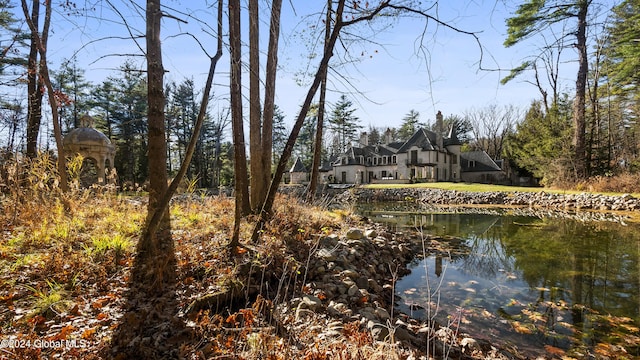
541, 143
344, 124
13, 40
410, 124
181, 115
130, 124
533, 17
461, 125
75, 90
374, 135
303, 148
103, 102
280, 135
622, 50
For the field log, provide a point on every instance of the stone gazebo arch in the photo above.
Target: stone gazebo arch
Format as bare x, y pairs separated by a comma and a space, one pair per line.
91, 144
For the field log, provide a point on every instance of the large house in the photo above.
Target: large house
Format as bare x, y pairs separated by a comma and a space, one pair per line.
425, 157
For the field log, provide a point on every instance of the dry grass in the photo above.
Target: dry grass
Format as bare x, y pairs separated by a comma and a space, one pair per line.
65, 261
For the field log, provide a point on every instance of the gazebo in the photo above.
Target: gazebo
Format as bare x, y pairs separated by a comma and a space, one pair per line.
94, 146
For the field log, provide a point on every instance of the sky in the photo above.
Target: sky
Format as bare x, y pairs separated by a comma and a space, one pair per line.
390, 74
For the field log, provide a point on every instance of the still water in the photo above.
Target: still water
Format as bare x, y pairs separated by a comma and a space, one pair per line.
544, 285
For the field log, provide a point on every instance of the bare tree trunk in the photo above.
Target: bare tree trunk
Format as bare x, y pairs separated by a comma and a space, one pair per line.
265, 212
242, 207
269, 99
155, 259
579, 102
255, 123
317, 147
41, 43
594, 141
163, 204
34, 102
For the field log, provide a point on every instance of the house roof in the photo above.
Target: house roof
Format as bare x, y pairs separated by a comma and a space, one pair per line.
483, 162
298, 166
452, 137
326, 166
422, 138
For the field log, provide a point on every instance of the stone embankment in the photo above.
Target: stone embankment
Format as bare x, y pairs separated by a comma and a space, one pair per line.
542, 199
350, 278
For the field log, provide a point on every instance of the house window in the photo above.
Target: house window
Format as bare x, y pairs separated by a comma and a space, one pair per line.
384, 174
384, 158
369, 160
394, 159
414, 157
375, 161
472, 163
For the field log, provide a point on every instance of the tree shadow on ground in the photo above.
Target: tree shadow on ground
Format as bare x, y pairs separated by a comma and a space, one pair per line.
150, 327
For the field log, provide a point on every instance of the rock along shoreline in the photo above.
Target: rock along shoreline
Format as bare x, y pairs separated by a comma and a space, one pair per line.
541, 199
353, 274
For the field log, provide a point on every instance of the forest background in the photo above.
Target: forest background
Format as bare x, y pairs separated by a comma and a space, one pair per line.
95, 51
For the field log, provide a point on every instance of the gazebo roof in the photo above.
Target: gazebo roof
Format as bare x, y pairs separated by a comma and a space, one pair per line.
86, 135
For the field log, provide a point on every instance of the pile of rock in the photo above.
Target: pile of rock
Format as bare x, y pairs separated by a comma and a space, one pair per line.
350, 279
542, 199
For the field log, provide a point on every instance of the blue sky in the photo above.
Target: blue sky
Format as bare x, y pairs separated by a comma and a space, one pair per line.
390, 79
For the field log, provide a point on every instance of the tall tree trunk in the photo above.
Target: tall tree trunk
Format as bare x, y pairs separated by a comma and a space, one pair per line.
317, 147
594, 144
579, 102
155, 259
269, 99
257, 186
242, 207
41, 43
265, 212
34, 93
159, 213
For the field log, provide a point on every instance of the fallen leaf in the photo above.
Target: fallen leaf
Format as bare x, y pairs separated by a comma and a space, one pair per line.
554, 350
100, 303
88, 334
519, 328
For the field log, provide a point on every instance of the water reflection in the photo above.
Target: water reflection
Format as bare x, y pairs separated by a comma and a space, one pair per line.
546, 285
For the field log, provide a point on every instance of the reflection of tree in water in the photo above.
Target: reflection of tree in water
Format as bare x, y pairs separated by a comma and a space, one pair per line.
583, 277
481, 234
593, 262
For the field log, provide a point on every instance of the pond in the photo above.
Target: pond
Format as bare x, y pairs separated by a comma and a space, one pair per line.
549, 284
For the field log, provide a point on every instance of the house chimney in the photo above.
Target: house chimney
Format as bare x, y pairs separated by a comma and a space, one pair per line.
364, 139
439, 129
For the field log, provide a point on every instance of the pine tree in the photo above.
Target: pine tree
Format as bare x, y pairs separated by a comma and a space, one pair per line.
534, 17
344, 124
410, 124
